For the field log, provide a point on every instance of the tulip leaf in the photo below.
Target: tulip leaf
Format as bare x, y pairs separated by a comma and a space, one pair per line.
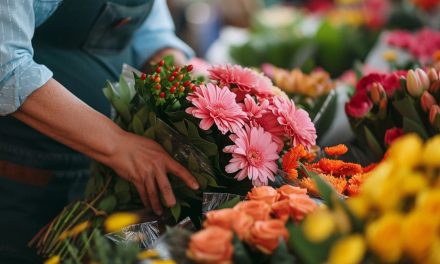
241, 255
230, 203
175, 211
372, 143
409, 126
406, 108
282, 255
181, 127
122, 108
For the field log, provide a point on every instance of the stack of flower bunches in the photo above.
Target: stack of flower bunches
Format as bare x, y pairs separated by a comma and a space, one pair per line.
386, 106
396, 216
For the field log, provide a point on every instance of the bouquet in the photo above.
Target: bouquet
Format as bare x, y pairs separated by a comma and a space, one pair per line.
228, 131
386, 106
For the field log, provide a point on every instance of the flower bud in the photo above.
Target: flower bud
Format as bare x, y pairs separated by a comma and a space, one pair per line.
433, 75
424, 79
427, 101
413, 84
435, 86
377, 92
433, 112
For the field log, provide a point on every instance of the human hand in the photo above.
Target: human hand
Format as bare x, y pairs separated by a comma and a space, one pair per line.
145, 163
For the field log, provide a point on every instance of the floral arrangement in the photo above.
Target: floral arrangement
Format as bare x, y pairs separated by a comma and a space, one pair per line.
344, 177
228, 131
314, 92
394, 219
422, 44
386, 106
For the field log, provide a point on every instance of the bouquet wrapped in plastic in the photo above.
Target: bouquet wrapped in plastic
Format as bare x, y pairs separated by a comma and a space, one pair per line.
229, 132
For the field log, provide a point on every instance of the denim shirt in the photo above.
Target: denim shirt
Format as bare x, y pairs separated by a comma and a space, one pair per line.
20, 75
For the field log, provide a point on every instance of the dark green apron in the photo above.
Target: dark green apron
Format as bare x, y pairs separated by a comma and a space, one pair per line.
84, 43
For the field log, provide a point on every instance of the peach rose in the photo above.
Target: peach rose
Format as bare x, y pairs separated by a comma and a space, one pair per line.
287, 190
258, 210
211, 245
264, 193
221, 218
242, 225
265, 235
297, 206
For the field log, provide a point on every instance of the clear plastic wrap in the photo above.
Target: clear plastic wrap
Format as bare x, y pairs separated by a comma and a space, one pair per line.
212, 201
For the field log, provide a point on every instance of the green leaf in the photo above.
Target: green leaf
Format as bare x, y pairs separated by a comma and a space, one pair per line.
122, 185
108, 91
324, 112
193, 165
123, 197
231, 203
282, 255
209, 148
152, 119
122, 109
406, 107
240, 254
124, 90
175, 211
193, 132
168, 146
181, 127
150, 133
409, 126
138, 126
108, 204
372, 143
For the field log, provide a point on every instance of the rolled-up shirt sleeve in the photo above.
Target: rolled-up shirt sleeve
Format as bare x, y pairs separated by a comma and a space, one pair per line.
20, 75
156, 33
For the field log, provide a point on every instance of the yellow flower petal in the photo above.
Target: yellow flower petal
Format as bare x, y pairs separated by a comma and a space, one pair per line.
319, 225
431, 152
79, 228
146, 254
348, 250
117, 221
419, 234
53, 260
166, 261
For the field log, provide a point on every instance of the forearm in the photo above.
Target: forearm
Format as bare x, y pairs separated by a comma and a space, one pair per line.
57, 113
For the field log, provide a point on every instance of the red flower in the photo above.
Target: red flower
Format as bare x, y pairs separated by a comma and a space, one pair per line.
392, 134
359, 105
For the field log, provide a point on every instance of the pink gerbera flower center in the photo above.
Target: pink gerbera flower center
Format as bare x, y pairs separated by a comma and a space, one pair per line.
254, 157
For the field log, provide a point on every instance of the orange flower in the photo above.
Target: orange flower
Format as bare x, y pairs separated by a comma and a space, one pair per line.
265, 235
310, 185
264, 193
355, 182
211, 245
242, 225
353, 189
369, 167
258, 210
222, 218
296, 206
340, 184
339, 167
287, 190
337, 150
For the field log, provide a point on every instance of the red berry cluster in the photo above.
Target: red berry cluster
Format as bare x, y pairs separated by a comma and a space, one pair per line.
168, 82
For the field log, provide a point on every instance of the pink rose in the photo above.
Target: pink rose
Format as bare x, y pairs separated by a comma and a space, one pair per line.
392, 134
359, 105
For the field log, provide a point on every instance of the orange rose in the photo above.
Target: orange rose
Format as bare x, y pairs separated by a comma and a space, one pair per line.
230, 219
221, 218
287, 190
265, 235
211, 245
264, 193
258, 210
297, 206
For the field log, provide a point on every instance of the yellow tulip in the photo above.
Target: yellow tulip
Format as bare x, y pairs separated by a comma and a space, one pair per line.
434, 256
431, 152
406, 151
359, 205
163, 261
429, 203
348, 250
117, 221
319, 225
384, 237
53, 260
149, 253
419, 233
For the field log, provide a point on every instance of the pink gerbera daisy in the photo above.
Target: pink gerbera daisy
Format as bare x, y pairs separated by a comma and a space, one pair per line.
253, 109
296, 122
213, 104
254, 155
241, 80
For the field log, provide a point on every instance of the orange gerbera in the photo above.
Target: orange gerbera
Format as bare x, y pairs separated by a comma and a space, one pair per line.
355, 182
310, 185
340, 184
370, 167
337, 150
339, 167
290, 160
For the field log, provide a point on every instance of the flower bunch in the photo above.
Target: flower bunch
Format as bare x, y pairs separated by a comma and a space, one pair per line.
240, 104
344, 177
259, 222
422, 44
385, 106
396, 216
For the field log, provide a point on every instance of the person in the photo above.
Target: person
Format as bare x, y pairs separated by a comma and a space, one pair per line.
55, 56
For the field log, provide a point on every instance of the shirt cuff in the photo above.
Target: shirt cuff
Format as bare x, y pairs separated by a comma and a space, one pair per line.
156, 42
23, 81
